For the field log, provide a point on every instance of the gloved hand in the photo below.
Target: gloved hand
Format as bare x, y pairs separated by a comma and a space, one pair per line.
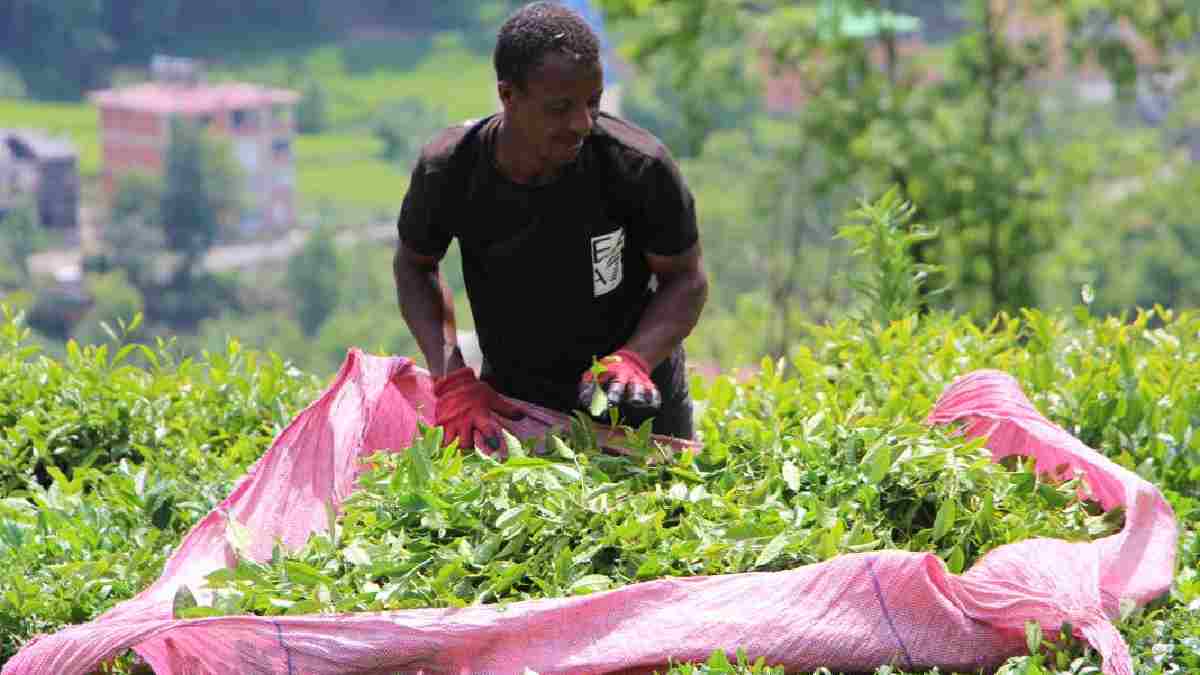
625, 380
467, 410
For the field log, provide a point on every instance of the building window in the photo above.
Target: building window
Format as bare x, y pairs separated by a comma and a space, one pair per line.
244, 119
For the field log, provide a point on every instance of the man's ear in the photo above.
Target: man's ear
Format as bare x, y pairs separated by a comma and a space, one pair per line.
505, 90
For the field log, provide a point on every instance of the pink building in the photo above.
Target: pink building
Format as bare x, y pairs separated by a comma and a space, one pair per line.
135, 124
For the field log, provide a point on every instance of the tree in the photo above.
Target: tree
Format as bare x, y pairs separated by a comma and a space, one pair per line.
137, 248
312, 277
116, 303
683, 101
962, 131
138, 196
20, 237
404, 125
134, 240
201, 192
312, 109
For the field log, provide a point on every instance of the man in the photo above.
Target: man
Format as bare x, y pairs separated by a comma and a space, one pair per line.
578, 240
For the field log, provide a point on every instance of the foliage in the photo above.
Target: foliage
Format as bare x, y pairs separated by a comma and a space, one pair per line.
59, 47
312, 278
961, 127
1095, 27
201, 192
795, 469
21, 236
106, 464
277, 332
685, 103
183, 302
883, 234
311, 109
404, 126
138, 195
114, 299
768, 236
134, 247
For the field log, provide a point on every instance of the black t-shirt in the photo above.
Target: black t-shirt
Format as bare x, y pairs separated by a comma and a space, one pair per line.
556, 274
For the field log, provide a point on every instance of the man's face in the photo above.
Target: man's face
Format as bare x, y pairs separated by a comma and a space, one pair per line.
555, 110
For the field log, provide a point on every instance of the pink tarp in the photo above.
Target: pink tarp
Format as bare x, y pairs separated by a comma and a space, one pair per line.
852, 613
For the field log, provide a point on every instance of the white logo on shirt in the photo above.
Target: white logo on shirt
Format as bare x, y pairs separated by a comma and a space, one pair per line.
607, 270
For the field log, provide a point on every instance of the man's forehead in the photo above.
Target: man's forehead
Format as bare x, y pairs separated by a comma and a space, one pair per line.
563, 72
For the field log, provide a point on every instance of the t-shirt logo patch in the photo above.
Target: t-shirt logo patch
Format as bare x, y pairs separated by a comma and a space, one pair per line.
607, 270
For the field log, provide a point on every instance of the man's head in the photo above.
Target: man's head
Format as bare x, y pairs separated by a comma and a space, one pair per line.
549, 79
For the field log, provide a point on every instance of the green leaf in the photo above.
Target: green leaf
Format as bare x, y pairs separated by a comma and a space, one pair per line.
590, 584
956, 560
419, 467
560, 448
513, 444
199, 612
1033, 636
331, 521
599, 402
945, 518
649, 568
510, 517
878, 462
772, 550
718, 661
304, 574
484, 553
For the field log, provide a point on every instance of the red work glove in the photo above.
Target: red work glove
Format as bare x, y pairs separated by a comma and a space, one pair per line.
467, 410
626, 379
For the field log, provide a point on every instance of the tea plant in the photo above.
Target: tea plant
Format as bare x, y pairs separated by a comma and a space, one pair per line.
816, 455
104, 465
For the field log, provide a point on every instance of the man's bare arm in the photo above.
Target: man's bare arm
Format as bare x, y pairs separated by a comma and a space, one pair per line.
676, 307
428, 308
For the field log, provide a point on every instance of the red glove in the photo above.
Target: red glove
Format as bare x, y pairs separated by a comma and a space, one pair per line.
467, 410
626, 379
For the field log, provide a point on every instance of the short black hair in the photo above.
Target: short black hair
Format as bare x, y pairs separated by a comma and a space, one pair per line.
537, 29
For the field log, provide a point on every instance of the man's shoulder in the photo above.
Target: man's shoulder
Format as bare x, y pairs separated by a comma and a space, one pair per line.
448, 145
631, 140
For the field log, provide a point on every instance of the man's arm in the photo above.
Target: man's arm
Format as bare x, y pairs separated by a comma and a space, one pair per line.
675, 308
428, 308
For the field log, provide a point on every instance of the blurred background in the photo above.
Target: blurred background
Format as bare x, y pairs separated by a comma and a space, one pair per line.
233, 169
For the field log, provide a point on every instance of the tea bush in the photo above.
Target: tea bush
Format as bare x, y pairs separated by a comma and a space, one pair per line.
105, 464
814, 456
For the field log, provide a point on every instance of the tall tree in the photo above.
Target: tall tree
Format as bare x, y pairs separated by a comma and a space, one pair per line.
20, 237
312, 277
200, 193
964, 139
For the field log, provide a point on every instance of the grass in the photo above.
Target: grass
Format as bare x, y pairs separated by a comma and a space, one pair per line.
78, 122
451, 77
344, 171
362, 76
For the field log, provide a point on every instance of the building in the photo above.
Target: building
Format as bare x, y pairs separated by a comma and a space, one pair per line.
43, 170
135, 124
